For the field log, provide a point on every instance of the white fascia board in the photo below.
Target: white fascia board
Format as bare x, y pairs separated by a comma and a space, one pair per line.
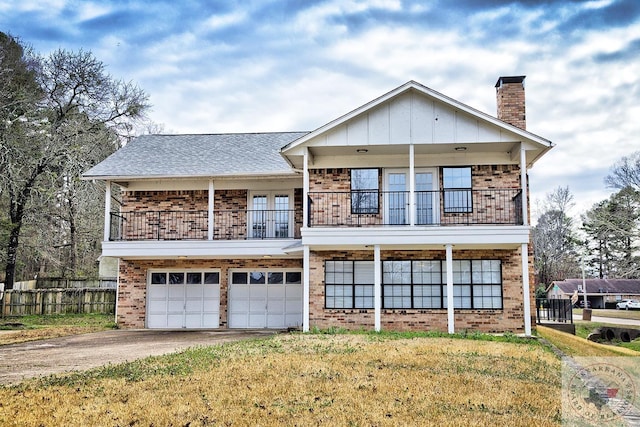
485, 237
412, 85
278, 174
171, 249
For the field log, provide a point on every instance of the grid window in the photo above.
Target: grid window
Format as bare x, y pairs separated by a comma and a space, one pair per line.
422, 284
461, 296
396, 276
427, 272
427, 296
456, 183
349, 284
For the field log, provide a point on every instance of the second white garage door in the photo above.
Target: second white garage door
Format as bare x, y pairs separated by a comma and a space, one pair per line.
265, 299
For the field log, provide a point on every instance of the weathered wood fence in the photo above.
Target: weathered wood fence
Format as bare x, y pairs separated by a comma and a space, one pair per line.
58, 301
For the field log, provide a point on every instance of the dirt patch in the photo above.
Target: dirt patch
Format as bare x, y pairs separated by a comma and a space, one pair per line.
82, 352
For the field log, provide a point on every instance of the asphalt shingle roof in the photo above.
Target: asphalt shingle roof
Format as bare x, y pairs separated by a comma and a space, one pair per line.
595, 286
198, 155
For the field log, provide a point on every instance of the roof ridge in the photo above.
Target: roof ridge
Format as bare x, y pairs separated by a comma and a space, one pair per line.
225, 133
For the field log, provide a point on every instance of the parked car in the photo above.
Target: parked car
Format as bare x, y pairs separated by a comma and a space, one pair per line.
622, 305
627, 304
580, 304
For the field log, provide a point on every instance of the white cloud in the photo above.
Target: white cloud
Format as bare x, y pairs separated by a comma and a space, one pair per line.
216, 22
299, 71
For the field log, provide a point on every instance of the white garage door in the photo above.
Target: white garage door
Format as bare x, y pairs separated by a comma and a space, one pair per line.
183, 299
265, 299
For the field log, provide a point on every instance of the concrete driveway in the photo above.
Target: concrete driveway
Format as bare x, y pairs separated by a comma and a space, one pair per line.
82, 352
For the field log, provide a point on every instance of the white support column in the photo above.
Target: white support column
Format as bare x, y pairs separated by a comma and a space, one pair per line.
526, 292
377, 288
450, 310
107, 211
306, 275
523, 184
412, 185
305, 289
305, 188
210, 223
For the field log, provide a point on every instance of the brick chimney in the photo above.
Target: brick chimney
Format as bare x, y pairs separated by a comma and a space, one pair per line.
510, 98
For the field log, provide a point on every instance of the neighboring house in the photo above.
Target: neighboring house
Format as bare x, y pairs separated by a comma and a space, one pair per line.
602, 293
410, 212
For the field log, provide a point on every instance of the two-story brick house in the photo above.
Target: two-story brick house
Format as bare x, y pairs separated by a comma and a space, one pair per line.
410, 212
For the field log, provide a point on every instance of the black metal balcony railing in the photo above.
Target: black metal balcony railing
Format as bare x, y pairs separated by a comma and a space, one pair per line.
554, 310
238, 224
391, 208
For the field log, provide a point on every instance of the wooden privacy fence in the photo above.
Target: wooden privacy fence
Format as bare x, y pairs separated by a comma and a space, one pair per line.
58, 301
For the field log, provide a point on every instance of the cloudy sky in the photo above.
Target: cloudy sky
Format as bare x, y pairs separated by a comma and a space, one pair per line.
270, 65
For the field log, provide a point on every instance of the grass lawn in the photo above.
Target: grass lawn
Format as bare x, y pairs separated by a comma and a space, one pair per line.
575, 345
309, 379
30, 328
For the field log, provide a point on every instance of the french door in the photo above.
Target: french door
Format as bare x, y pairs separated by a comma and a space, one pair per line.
270, 215
397, 196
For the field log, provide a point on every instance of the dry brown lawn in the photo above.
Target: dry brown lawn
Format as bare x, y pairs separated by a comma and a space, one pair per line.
359, 380
572, 345
16, 330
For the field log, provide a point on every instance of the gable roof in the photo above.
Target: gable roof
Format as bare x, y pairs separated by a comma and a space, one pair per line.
597, 286
163, 156
468, 120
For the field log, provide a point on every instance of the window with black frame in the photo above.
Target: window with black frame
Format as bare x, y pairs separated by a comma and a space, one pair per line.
421, 284
349, 284
456, 183
365, 191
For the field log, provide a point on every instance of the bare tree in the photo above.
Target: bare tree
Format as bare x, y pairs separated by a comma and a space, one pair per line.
80, 114
625, 173
554, 239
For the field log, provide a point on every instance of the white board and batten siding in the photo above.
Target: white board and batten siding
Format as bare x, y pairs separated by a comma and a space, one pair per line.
413, 118
183, 299
265, 299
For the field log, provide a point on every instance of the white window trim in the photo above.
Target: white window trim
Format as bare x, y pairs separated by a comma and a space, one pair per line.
271, 206
407, 171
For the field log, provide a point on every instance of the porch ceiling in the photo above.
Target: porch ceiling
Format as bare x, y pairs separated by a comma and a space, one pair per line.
466, 152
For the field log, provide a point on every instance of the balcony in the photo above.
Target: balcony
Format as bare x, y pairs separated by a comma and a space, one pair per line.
457, 207
194, 225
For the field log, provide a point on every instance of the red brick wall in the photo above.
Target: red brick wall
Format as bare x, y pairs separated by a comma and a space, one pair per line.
511, 104
509, 318
191, 200
183, 214
496, 205
132, 282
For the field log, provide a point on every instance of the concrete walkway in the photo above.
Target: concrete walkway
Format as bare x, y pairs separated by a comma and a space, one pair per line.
82, 352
